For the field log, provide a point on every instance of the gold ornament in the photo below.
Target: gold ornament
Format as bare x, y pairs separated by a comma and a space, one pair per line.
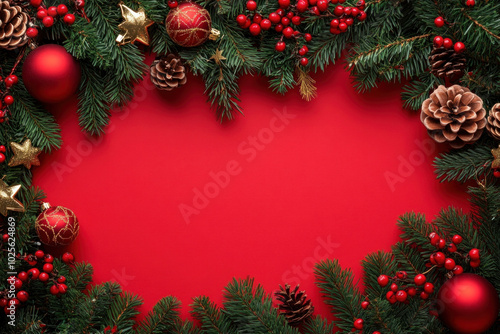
135, 27
214, 34
218, 56
24, 154
496, 154
7, 200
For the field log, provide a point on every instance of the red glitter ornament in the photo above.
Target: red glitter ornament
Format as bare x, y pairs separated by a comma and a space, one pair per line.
189, 24
56, 226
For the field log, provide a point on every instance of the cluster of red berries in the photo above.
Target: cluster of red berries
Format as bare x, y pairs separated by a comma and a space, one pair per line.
172, 3
2, 159
401, 293
47, 15
6, 98
44, 273
440, 259
447, 43
346, 16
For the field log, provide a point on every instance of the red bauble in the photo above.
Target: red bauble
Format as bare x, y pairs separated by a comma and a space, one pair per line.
56, 226
188, 24
468, 304
51, 74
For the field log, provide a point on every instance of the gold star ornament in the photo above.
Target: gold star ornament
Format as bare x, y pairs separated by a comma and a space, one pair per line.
135, 27
496, 155
24, 154
7, 200
218, 56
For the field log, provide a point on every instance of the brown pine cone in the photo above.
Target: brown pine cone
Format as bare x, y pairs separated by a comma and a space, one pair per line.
168, 73
454, 115
493, 125
294, 305
446, 63
13, 26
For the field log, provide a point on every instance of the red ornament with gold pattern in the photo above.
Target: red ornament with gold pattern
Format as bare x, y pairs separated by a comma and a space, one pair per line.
188, 24
56, 226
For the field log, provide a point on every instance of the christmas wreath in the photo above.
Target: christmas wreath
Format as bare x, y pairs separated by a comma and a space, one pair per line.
442, 277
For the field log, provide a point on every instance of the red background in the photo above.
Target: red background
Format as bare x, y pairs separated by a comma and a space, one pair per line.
324, 175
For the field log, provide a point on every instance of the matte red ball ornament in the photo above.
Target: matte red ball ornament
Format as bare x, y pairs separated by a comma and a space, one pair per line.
51, 74
189, 24
468, 304
56, 226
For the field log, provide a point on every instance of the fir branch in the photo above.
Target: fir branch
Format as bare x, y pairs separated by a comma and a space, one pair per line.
306, 83
163, 317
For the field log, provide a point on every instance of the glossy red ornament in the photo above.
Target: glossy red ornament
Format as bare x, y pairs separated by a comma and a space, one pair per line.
56, 226
189, 24
51, 74
468, 304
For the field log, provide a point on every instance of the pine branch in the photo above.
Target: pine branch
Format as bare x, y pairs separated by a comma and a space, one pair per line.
163, 318
307, 89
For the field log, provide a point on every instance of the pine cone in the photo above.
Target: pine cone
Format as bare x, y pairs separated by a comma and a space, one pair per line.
295, 305
168, 73
13, 26
454, 115
493, 125
446, 63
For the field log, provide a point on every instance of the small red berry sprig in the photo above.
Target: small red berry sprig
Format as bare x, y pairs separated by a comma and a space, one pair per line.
287, 19
443, 258
48, 15
43, 271
447, 43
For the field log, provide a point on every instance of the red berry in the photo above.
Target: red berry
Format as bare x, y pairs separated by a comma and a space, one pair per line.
304, 61
348, 11
452, 248
241, 19
439, 21
383, 280
81, 3
257, 18
3, 149
44, 277
255, 29
63, 288
449, 264
365, 305
459, 47
308, 37
438, 41
284, 3
470, 3
296, 20
355, 12
290, 15
279, 28
48, 267
439, 257
52, 11
61, 279
334, 23
338, 11
2, 158
5, 237
22, 296
32, 32
69, 19
48, 21
41, 14
39, 254
68, 258
172, 3
62, 10
8, 100
434, 237
361, 16
280, 12
447, 43
441, 244
475, 263
285, 21
265, 24
401, 296
302, 51
401, 274
315, 10
474, 254
358, 323
313, 2
458, 270
302, 6
251, 5
429, 288
3, 302
322, 5
419, 279
34, 273
424, 295
394, 287
280, 46
349, 21
35, 3
13, 78
18, 284
391, 297
48, 258
288, 32
23, 276
411, 291
496, 173
54, 289
275, 18
342, 26
457, 239
360, 3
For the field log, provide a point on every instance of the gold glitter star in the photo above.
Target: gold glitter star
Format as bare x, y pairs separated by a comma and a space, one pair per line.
218, 56
24, 154
7, 200
496, 155
135, 27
